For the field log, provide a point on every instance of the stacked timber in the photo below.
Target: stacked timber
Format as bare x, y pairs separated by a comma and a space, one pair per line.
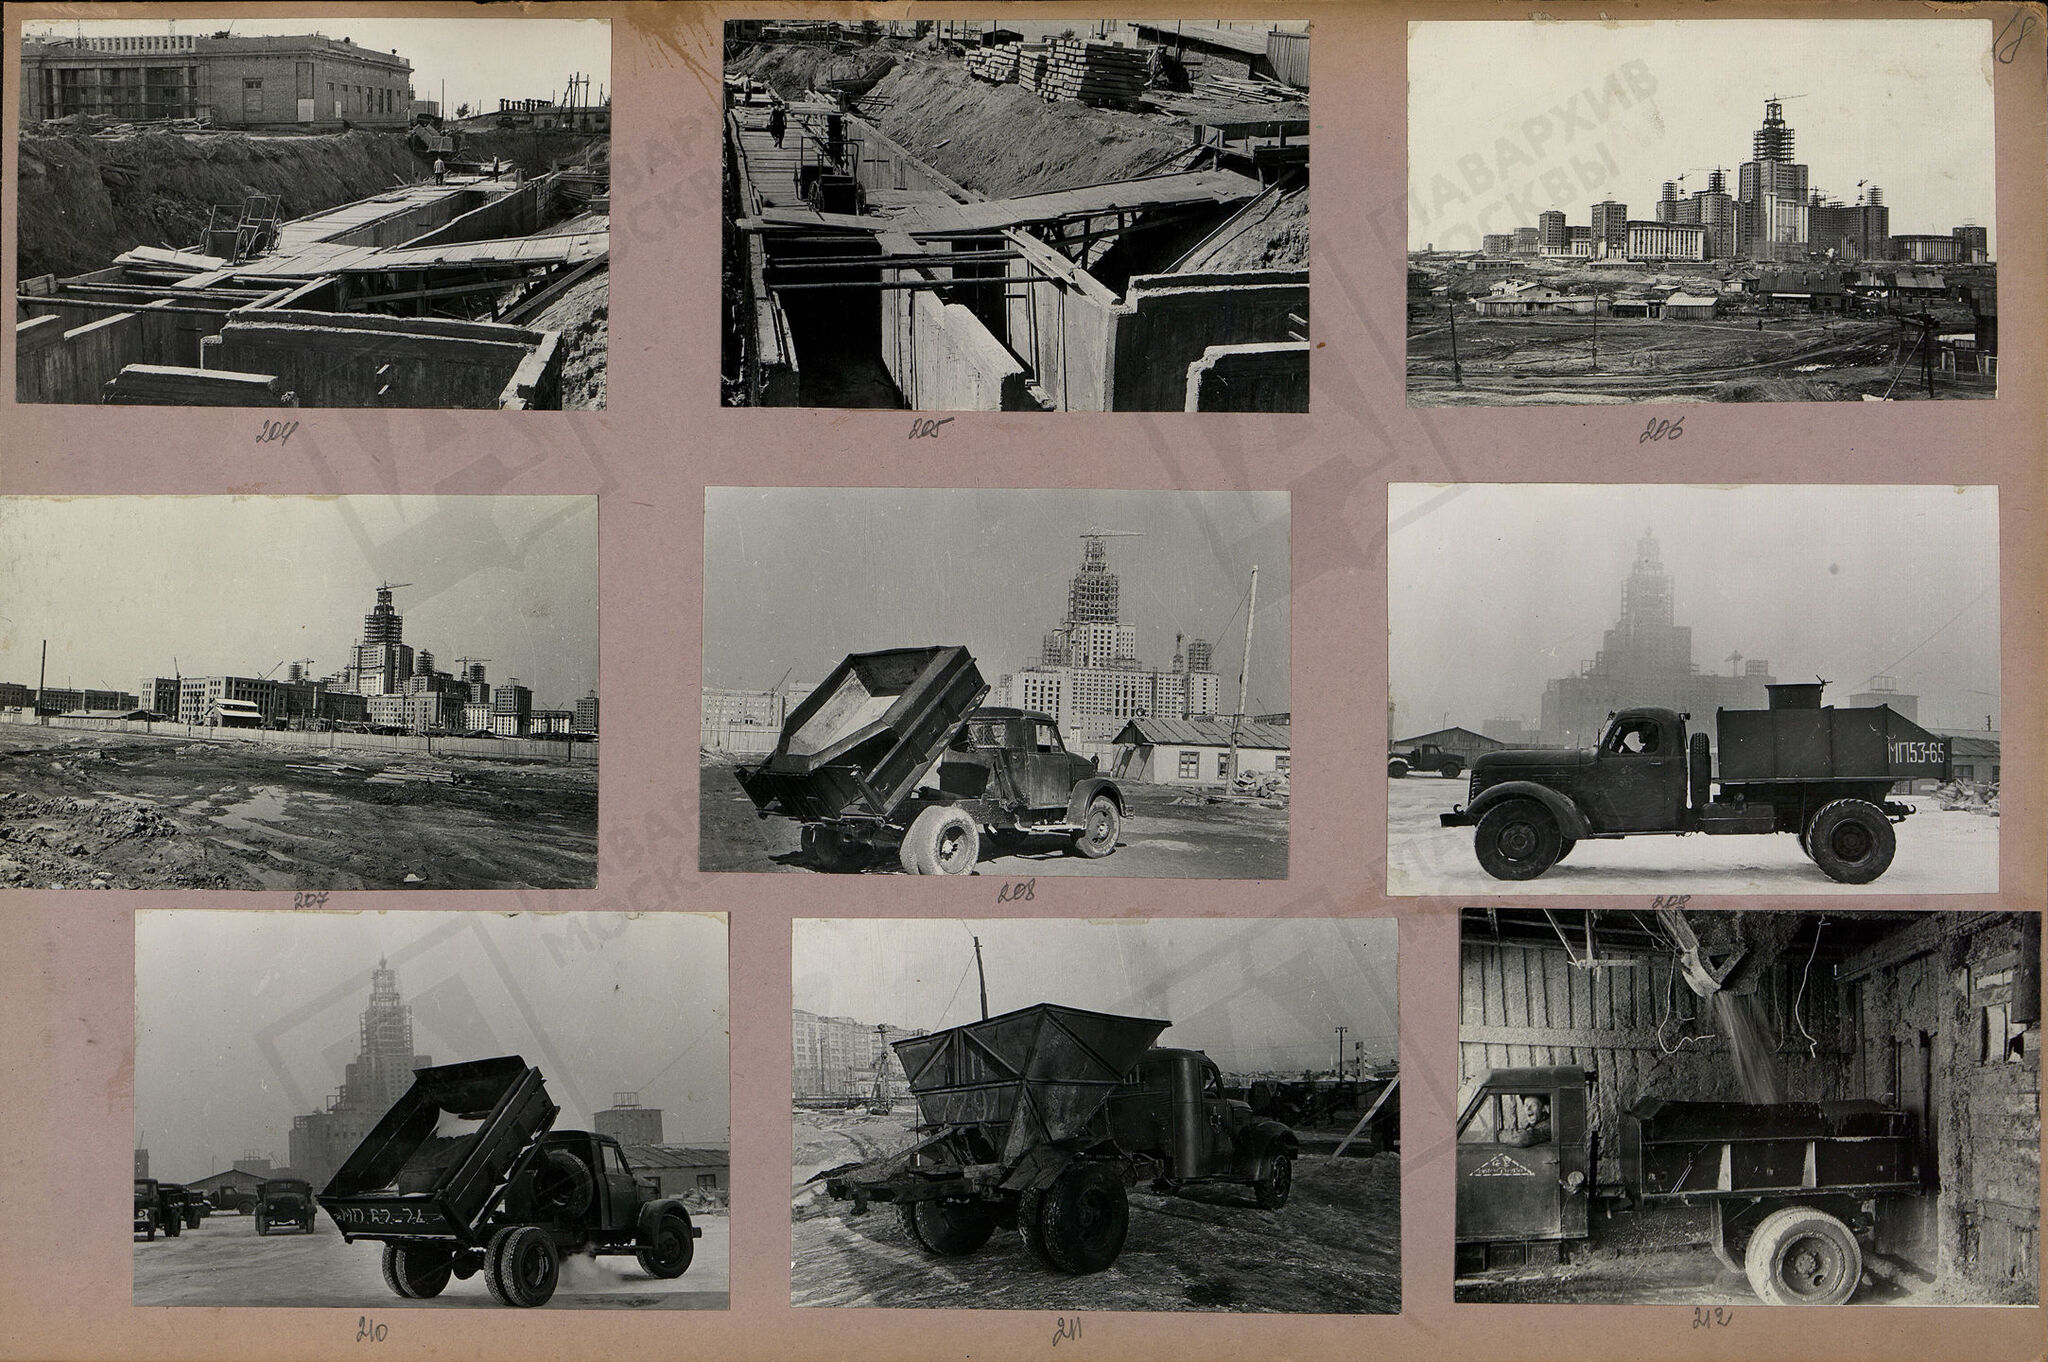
158, 385
997, 65
1031, 65
1249, 91
1092, 72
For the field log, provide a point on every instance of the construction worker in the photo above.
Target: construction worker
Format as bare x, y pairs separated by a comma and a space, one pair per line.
778, 122
440, 171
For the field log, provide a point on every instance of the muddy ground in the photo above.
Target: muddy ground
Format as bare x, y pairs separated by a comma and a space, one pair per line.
1161, 838
225, 1262
91, 810
1335, 1248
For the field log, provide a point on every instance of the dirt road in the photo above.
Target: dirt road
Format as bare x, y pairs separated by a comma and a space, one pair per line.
1161, 838
89, 810
225, 1262
1335, 1248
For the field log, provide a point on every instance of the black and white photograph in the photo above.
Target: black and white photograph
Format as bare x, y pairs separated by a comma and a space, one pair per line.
1673, 1106
386, 1110
387, 692
1052, 1114
1756, 210
1636, 689
1128, 200
1005, 682
331, 210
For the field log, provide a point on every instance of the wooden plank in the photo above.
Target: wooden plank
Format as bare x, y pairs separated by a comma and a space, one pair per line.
1568, 1037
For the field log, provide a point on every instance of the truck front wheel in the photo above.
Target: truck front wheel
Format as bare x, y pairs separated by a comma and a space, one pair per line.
670, 1252
1852, 841
1278, 1182
1100, 827
1801, 1256
416, 1272
948, 1229
1082, 1219
1517, 839
941, 841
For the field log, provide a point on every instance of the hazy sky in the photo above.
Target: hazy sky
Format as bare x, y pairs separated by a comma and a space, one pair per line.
482, 60
127, 587
799, 577
1495, 589
244, 1020
1904, 104
1253, 994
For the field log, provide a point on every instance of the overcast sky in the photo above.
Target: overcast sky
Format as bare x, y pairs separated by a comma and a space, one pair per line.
244, 1020
1495, 589
127, 587
799, 577
1904, 104
482, 60
1253, 994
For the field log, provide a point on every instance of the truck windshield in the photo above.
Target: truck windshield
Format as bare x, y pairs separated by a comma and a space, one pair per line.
1633, 738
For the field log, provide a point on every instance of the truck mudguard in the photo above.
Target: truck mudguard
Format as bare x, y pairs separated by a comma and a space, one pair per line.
651, 1213
1569, 820
1270, 1139
1084, 795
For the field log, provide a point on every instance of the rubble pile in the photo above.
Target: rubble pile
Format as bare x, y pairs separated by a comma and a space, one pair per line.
1969, 796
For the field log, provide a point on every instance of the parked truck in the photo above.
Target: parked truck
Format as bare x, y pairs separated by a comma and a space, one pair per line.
1040, 1120
1820, 772
285, 1202
466, 1173
152, 1211
852, 759
1791, 1187
1423, 756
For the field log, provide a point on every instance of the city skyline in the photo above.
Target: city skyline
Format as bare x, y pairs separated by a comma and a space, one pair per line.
989, 569
1574, 113
1848, 582
247, 1020
482, 60
1254, 995
244, 586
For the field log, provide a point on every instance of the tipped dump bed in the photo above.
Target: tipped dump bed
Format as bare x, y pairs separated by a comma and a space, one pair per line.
1699, 1148
865, 737
418, 1173
1799, 740
1039, 1074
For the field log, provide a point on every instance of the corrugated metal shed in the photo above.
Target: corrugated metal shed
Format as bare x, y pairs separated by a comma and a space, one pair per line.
1289, 54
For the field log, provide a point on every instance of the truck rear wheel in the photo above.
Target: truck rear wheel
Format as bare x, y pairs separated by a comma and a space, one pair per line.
1083, 1218
1273, 1188
1396, 768
1099, 829
416, 1272
524, 1266
1852, 841
941, 841
1451, 769
1517, 839
948, 1229
1803, 1256
670, 1252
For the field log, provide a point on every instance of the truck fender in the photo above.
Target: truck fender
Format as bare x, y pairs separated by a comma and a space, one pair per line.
1569, 819
652, 1212
1084, 795
1269, 1140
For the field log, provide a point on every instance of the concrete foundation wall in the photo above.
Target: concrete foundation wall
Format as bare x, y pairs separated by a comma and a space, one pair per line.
71, 357
1169, 320
507, 215
1250, 378
1066, 333
943, 359
335, 360
402, 226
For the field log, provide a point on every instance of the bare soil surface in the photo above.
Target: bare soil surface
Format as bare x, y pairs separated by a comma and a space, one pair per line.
583, 316
88, 810
1162, 837
1334, 1248
225, 1262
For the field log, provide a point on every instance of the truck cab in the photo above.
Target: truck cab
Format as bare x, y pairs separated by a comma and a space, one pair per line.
1016, 759
1525, 1166
284, 1203
1173, 1109
148, 1208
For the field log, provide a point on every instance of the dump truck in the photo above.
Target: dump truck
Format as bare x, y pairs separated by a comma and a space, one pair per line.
466, 1173
1423, 756
285, 1202
1042, 1119
1820, 772
853, 757
1792, 1187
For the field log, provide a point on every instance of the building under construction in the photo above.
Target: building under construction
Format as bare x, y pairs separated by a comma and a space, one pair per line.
428, 295
859, 273
376, 1078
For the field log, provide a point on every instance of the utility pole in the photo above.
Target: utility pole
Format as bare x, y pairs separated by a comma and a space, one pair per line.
982, 975
1340, 1051
1457, 370
1244, 668
42, 670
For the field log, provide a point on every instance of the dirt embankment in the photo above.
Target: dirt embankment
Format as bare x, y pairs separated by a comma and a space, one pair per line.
84, 200
534, 152
583, 316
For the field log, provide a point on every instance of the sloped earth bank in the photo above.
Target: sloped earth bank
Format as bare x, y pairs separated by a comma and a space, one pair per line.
81, 810
1334, 1248
84, 200
583, 316
1001, 140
